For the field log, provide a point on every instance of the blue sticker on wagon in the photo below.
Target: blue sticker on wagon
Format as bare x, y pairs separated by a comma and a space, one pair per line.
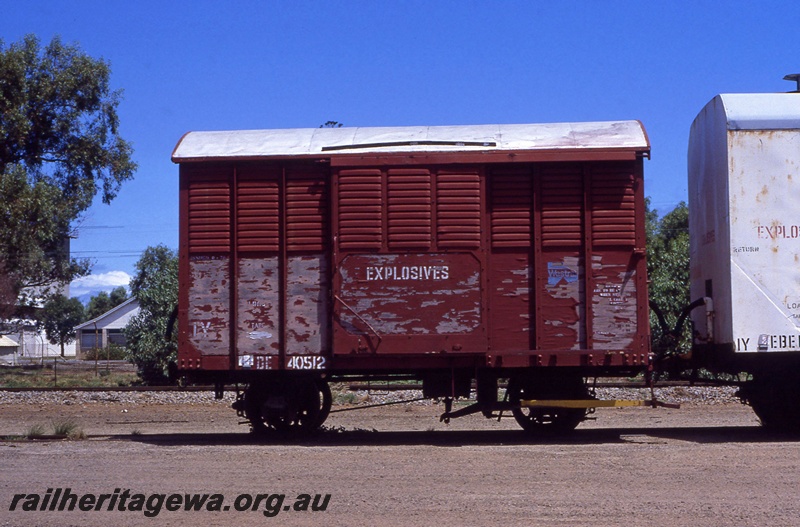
558, 272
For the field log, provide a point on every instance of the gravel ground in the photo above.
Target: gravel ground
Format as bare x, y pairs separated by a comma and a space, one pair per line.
706, 464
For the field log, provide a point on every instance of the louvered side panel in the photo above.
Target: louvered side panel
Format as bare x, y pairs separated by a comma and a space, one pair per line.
306, 211
257, 210
510, 264
205, 277
458, 209
257, 279
409, 208
511, 209
209, 215
360, 201
613, 207
562, 206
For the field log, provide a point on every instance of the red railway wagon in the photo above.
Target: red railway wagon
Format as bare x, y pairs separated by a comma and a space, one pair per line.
453, 255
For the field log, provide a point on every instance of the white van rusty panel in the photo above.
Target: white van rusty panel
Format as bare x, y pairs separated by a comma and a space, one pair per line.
209, 305
709, 225
744, 171
764, 196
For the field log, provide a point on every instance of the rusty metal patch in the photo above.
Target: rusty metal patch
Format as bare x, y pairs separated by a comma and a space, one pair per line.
409, 294
511, 303
308, 291
563, 317
258, 306
209, 301
613, 305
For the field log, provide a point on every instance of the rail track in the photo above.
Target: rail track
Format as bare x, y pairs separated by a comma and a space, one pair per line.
376, 387
355, 387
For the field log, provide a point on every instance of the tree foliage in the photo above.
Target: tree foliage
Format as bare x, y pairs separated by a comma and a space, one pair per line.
34, 230
102, 302
155, 286
59, 147
668, 266
59, 317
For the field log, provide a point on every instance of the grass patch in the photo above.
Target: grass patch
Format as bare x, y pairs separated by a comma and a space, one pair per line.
69, 429
342, 395
46, 377
112, 352
14, 438
35, 431
66, 428
346, 398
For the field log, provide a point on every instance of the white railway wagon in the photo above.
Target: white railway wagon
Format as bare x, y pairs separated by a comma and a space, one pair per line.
744, 214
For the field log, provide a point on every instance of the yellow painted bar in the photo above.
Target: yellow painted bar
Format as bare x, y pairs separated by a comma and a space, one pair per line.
591, 403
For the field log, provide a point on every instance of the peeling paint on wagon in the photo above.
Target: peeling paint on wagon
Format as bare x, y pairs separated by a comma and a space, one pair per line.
614, 306
308, 289
398, 304
209, 301
566, 307
258, 302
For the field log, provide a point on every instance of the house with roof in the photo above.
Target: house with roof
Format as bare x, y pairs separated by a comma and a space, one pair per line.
23, 328
32, 340
8, 350
107, 329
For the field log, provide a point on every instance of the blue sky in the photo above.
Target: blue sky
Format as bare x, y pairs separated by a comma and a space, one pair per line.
210, 65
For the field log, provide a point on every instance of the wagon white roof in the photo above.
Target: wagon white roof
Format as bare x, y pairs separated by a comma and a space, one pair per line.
324, 142
760, 111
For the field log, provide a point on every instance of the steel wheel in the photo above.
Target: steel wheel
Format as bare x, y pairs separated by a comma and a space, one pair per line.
290, 405
326, 401
774, 399
547, 420
254, 398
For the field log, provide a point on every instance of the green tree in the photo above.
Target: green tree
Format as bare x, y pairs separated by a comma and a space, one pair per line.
102, 302
155, 286
668, 268
34, 230
59, 317
118, 295
59, 148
